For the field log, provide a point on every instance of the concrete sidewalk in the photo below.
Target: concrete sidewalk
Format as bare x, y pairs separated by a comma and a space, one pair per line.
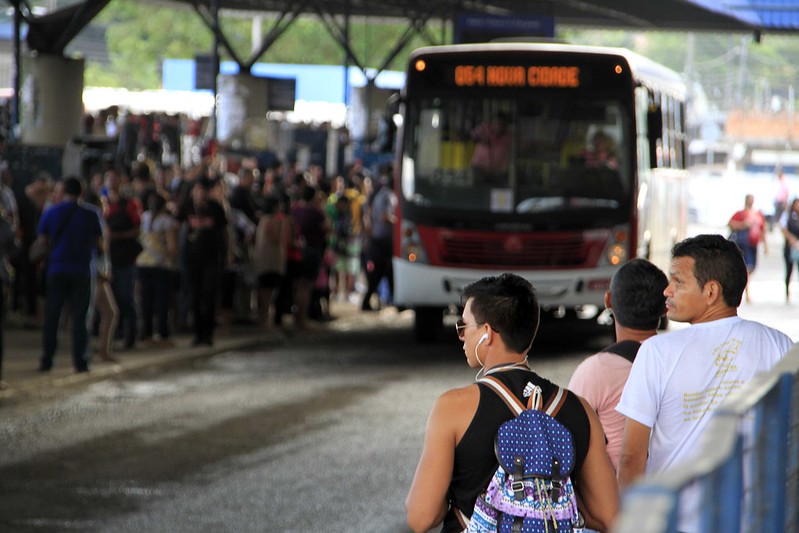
21, 379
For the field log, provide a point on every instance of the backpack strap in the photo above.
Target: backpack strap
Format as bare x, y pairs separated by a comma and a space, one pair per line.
504, 393
626, 349
551, 407
556, 401
463, 520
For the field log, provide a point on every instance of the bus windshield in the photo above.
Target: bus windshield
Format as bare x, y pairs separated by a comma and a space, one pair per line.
536, 153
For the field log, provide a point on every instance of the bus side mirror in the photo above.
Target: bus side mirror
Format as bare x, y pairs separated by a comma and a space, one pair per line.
387, 129
393, 104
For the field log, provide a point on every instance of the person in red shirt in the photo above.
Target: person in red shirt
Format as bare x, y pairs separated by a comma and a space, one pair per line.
748, 229
123, 219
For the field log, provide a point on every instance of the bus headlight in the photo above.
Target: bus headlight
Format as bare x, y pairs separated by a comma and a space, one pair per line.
617, 252
411, 248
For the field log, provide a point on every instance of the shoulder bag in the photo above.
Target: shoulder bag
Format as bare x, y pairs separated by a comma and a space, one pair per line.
40, 248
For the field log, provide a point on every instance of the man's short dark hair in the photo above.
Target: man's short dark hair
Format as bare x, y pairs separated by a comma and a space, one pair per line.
636, 294
140, 171
73, 186
204, 182
719, 259
509, 305
309, 194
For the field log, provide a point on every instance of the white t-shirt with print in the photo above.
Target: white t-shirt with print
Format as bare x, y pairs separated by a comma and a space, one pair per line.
679, 379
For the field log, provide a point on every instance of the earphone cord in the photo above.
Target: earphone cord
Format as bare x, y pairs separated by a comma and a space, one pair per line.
482, 368
499, 368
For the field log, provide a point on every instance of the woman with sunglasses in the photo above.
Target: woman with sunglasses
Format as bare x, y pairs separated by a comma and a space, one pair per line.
497, 327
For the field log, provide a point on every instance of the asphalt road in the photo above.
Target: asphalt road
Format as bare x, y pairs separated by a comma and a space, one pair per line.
314, 434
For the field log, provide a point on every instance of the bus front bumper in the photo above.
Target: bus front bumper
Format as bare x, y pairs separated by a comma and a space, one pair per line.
422, 285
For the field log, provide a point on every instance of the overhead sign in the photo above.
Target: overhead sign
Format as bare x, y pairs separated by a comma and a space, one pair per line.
204, 73
482, 27
516, 76
281, 93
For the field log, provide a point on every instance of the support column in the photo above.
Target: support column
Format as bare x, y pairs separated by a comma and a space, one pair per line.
215, 63
51, 100
14, 126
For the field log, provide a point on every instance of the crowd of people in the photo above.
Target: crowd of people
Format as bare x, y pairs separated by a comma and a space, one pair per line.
194, 250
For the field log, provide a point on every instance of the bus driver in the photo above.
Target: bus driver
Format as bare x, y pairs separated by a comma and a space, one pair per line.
492, 150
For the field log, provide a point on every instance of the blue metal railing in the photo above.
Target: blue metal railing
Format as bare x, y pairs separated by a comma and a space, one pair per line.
748, 473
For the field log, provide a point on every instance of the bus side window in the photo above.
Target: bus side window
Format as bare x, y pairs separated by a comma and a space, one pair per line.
654, 126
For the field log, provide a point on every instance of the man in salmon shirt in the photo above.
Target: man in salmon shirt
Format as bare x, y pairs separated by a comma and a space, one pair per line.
637, 302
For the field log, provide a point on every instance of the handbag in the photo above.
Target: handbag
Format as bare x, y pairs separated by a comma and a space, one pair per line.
125, 251
40, 248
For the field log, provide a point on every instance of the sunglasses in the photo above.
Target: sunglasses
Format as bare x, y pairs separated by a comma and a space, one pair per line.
460, 326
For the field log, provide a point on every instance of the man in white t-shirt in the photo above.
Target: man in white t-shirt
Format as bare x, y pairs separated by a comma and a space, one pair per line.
679, 378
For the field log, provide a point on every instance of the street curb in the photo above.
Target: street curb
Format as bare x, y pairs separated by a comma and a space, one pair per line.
38, 384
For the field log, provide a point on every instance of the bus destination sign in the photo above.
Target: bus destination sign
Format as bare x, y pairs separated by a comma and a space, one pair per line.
517, 76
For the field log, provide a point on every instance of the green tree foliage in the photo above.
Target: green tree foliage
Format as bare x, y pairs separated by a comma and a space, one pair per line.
731, 68
141, 35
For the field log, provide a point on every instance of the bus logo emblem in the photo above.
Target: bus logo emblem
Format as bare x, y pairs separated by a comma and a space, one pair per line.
513, 244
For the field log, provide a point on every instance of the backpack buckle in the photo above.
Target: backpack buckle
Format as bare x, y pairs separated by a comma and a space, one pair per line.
518, 490
518, 473
557, 483
554, 491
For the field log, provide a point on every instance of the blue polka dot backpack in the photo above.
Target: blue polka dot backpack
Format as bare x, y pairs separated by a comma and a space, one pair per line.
531, 491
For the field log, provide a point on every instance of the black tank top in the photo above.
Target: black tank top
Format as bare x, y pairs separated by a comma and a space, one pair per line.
475, 461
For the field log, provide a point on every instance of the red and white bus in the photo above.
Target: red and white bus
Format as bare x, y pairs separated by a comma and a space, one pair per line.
556, 162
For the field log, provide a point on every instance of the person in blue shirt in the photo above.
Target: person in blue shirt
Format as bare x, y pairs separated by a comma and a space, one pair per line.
74, 232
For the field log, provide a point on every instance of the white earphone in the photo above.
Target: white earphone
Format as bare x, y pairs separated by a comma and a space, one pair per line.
476, 355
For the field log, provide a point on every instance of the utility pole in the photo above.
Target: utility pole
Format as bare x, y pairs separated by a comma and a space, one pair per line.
742, 60
257, 32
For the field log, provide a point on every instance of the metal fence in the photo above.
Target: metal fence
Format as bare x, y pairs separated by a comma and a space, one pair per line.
747, 476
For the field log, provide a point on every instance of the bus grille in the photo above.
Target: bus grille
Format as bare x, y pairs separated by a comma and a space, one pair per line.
564, 251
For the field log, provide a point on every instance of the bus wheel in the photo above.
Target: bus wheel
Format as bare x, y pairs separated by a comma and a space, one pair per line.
429, 321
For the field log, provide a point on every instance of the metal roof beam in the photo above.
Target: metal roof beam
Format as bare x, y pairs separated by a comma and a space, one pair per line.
339, 34
51, 33
212, 21
284, 21
416, 26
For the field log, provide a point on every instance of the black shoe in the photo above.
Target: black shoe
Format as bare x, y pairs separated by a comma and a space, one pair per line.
45, 368
82, 369
202, 342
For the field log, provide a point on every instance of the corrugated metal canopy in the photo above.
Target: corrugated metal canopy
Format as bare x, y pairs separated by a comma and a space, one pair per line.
699, 15
768, 15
